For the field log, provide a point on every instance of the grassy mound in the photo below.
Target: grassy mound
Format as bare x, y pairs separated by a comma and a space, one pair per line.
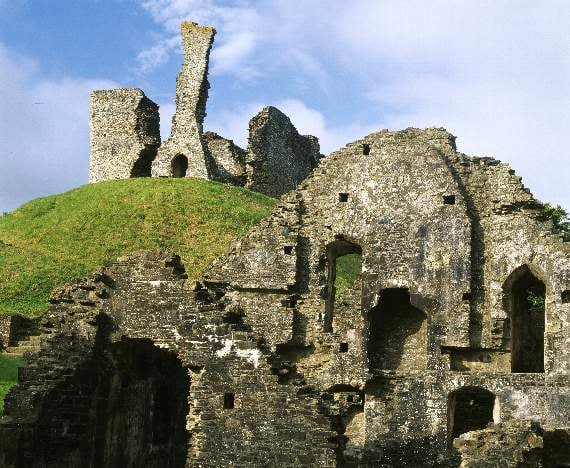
8, 376
51, 241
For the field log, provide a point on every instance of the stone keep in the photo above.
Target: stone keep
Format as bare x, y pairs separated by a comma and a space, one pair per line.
263, 363
183, 154
122, 120
124, 134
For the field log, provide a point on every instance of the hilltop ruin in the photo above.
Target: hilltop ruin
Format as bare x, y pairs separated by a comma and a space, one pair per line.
450, 349
125, 134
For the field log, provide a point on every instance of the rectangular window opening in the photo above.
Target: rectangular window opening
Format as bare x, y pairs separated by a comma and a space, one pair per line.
229, 399
343, 197
566, 296
288, 249
449, 199
343, 348
467, 296
365, 149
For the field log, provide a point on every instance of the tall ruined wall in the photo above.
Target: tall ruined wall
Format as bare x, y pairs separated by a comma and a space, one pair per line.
270, 365
191, 96
278, 158
124, 134
509, 235
408, 205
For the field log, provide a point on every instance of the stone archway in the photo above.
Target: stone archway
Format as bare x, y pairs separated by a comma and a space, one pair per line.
524, 302
179, 165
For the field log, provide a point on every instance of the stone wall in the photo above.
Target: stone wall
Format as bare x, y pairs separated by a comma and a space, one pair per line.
514, 444
226, 159
278, 158
285, 372
124, 133
191, 95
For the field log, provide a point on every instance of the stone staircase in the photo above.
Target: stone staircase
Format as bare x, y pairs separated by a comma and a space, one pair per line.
29, 344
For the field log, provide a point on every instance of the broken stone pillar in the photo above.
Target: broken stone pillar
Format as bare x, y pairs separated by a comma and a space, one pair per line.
227, 159
124, 134
183, 155
278, 158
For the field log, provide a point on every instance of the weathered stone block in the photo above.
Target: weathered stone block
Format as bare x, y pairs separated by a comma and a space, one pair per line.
124, 134
278, 158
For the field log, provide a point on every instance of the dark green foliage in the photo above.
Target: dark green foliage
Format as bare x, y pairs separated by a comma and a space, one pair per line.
558, 216
535, 298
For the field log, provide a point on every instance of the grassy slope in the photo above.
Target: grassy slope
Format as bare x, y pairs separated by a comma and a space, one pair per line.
51, 241
8, 376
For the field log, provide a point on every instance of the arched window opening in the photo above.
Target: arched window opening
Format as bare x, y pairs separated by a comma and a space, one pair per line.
397, 333
524, 297
148, 386
179, 165
344, 260
469, 409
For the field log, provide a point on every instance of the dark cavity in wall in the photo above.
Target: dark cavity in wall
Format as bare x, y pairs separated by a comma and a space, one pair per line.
142, 166
524, 296
397, 335
179, 165
469, 409
140, 409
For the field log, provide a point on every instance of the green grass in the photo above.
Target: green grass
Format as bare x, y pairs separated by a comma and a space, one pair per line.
53, 240
348, 269
8, 376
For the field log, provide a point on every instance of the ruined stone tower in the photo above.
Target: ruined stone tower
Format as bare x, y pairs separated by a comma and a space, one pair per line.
183, 154
125, 138
124, 133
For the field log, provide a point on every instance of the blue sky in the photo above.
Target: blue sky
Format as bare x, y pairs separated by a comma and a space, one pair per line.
494, 73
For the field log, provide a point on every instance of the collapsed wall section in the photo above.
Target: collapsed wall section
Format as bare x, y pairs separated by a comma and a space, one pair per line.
226, 158
278, 157
124, 134
192, 85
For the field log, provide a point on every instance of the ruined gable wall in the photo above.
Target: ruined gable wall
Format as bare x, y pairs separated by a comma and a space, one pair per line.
509, 235
278, 158
124, 134
410, 237
191, 96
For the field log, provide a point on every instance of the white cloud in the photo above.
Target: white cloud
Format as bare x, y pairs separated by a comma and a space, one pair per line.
44, 145
238, 28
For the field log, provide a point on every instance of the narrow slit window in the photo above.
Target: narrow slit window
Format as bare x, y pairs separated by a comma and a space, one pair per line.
229, 400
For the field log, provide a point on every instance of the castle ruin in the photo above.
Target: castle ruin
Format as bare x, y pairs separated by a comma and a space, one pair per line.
452, 347
125, 134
